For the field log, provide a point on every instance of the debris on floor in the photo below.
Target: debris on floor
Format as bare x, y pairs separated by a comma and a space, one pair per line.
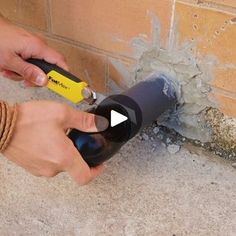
174, 141
173, 148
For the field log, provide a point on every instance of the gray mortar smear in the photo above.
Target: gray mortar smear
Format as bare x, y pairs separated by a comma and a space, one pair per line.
191, 76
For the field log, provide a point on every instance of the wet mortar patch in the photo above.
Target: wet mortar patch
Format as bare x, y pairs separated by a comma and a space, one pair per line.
195, 119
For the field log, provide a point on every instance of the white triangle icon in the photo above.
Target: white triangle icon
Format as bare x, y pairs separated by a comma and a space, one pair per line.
117, 118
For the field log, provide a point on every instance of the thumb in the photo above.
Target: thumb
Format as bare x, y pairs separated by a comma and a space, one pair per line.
28, 71
86, 122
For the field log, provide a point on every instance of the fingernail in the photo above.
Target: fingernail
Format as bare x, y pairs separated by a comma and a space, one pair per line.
40, 80
101, 123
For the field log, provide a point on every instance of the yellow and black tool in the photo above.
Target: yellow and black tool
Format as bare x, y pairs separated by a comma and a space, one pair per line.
64, 83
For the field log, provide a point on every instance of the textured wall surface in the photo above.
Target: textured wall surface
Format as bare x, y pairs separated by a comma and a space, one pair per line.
91, 33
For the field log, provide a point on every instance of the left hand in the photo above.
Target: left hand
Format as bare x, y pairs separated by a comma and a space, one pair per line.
40, 145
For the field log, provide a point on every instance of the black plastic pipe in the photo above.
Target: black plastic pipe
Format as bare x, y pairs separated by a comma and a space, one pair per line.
141, 104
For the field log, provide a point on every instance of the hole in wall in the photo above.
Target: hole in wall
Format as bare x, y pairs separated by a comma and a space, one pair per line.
195, 27
233, 20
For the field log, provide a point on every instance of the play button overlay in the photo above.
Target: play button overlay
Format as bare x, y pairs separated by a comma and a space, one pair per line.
124, 116
117, 118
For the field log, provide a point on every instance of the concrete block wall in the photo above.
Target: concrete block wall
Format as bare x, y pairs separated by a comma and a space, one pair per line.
90, 32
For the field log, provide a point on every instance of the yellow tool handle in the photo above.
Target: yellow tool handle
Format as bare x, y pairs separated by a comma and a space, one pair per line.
60, 81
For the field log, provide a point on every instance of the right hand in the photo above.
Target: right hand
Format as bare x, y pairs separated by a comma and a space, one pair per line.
17, 45
40, 145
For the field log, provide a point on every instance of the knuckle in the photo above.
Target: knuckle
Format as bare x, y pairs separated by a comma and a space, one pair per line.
61, 58
84, 179
37, 41
63, 162
36, 174
49, 173
42, 38
87, 120
27, 71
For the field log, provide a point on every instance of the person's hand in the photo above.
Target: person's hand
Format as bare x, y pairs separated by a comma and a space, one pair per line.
40, 144
17, 45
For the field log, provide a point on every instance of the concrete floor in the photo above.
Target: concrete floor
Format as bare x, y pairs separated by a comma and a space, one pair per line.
143, 191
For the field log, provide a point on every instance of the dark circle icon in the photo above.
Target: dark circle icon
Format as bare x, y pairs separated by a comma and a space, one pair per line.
124, 116
125, 120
